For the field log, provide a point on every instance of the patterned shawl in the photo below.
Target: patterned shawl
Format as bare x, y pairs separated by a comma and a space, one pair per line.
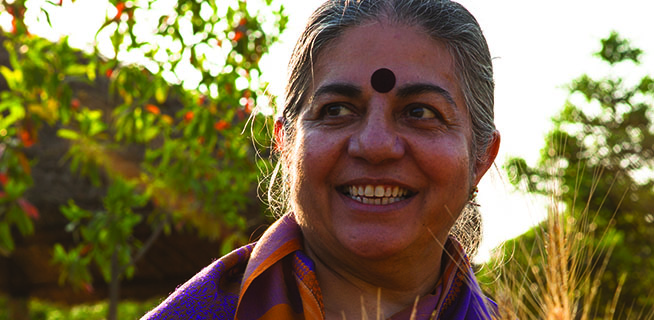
275, 279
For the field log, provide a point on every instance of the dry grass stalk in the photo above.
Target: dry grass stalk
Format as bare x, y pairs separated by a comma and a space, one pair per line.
565, 283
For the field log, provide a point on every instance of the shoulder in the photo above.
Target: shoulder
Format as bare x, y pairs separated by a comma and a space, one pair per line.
212, 293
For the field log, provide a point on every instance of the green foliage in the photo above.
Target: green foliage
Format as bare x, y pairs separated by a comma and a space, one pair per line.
103, 234
41, 310
599, 160
15, 179
182, 104
615, 50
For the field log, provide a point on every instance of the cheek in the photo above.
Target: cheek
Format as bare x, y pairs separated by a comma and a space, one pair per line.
295, 171
310, 162
317, 151
448, 165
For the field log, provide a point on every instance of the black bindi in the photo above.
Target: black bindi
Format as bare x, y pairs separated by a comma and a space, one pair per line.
383, 80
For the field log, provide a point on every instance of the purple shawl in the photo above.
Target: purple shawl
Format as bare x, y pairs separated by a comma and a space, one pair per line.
275, 279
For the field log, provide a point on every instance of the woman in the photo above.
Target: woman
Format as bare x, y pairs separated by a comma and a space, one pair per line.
386, 131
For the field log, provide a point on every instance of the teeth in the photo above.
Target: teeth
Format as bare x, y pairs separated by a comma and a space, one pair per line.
370, 191
377, 195
379, 191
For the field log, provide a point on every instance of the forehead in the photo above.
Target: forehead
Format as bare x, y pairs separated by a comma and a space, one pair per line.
411, 54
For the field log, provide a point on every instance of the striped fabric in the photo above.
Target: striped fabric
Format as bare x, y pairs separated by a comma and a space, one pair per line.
275, 279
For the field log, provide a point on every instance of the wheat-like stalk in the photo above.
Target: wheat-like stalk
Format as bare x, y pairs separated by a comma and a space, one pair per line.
565, 283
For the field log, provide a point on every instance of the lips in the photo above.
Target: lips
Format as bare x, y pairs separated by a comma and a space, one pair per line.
376, 194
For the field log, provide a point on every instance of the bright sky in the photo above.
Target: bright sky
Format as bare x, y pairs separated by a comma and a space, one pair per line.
539, 47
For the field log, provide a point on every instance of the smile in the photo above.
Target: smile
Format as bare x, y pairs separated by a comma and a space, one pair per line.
379, 195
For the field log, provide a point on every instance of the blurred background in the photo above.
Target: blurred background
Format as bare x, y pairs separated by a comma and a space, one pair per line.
134, 134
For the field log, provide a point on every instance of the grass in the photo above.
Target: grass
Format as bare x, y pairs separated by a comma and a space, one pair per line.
554, 272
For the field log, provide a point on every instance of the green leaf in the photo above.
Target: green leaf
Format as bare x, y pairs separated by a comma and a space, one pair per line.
90, 70
68, 134
15, 188
150, 133
96, 127
74, 213
646, 85
76, 70
6, 241
22, 222
16, 111
161, 93
13, 78
58, 253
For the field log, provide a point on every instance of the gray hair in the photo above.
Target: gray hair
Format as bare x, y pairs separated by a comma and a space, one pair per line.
443, 20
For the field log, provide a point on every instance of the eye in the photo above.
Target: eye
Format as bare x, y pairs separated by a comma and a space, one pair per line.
422, 112
337, 110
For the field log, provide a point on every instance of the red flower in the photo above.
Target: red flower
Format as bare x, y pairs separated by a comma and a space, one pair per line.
238, 35
221, 125
3, 178
27, 138
120, 6
74, 103
14, 30
152, 109
188, 116
109, 72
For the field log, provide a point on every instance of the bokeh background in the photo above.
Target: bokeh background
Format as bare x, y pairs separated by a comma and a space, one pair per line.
134, 136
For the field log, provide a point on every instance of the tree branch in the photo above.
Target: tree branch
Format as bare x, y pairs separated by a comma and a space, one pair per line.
146, 246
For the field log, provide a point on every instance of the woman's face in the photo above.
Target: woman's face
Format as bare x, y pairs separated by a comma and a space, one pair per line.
376, 174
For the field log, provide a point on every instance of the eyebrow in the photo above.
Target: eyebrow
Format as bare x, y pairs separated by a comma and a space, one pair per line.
413, 89
407, 90
342, 89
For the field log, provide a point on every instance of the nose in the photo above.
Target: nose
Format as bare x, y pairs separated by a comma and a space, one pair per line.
376, 141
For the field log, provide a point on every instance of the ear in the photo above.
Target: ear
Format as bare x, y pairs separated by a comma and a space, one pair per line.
486, 162
279, 134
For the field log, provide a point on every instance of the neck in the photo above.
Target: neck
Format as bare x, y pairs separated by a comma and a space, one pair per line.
379, 287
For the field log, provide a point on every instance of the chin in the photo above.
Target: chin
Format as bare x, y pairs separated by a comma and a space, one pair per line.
374, 244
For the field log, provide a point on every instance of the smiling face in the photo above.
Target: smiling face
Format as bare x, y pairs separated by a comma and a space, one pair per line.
379, 174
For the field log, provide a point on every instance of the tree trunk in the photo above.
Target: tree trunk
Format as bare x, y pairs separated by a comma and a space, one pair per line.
114, 287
